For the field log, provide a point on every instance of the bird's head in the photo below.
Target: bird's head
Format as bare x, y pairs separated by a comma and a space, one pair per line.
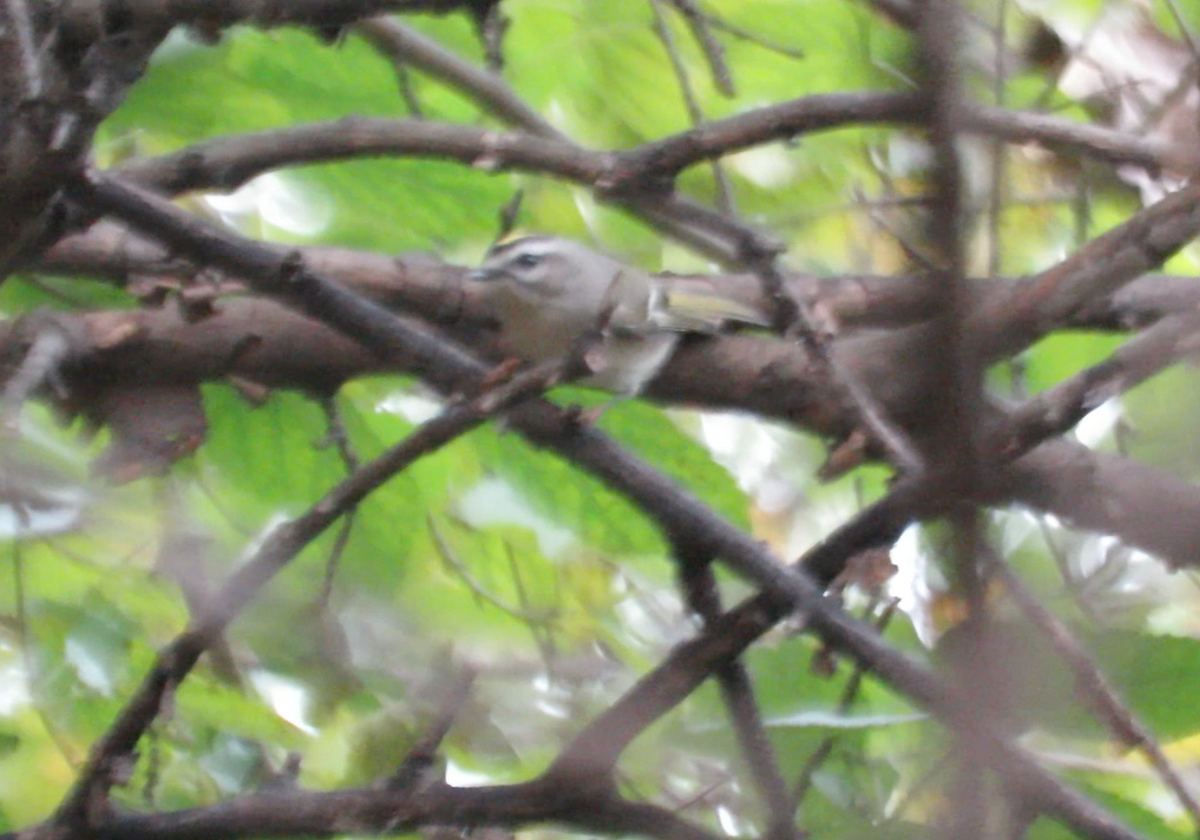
537, 266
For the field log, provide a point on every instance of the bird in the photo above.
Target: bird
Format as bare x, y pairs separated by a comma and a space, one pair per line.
546, 292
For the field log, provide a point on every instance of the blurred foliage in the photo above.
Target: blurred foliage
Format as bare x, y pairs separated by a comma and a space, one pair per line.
491, 554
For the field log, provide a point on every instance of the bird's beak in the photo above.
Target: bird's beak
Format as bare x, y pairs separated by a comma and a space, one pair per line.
484, 275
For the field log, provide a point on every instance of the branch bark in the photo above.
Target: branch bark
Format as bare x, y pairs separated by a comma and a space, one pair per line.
681, 516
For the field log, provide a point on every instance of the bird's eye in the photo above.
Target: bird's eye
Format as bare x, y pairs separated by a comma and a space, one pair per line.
527, 260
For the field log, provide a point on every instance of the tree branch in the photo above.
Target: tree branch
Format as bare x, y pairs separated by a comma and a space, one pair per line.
276, 551
679, 514
406, 45
1100, 268
260, 341
704, 599
380, 811
320, 14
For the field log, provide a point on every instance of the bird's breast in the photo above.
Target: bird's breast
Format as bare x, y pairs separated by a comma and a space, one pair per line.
535, 329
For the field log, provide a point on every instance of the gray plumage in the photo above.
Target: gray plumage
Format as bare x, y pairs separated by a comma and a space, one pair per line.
546, 292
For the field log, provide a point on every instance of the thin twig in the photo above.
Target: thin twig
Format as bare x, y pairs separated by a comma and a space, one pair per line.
404, 83
1092, 686
663, 30
50, 348
714, 53
454, 563
336, 434
1074, 584
717, 22
405, 45
914, 253
400, 339
410, 774
287, 540
1186, 31
22, 617
542, 632
845, 703
737, 692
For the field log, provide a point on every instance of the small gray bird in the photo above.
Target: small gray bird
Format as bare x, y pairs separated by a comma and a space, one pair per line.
546, 292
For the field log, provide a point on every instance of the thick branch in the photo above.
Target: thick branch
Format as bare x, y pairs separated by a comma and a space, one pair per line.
284, 543
266, 343
1047, 300
1066, 137
435, 289
664, 159
1107, 493
1058, 409
227, 163
321, 14
679, 514
390, 812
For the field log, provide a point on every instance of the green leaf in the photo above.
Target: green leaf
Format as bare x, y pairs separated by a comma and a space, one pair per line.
1128, 800
561, 491
271, 458
651, 434
1151, 673
35, 774
205, 703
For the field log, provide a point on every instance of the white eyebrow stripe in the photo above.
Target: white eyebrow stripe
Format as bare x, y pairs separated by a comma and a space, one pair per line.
533, 247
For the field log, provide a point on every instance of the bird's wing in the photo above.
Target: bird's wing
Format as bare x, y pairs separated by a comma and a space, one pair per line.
693, 311
631, 293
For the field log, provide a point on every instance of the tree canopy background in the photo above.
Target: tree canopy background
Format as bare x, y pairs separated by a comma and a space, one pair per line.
254, 422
